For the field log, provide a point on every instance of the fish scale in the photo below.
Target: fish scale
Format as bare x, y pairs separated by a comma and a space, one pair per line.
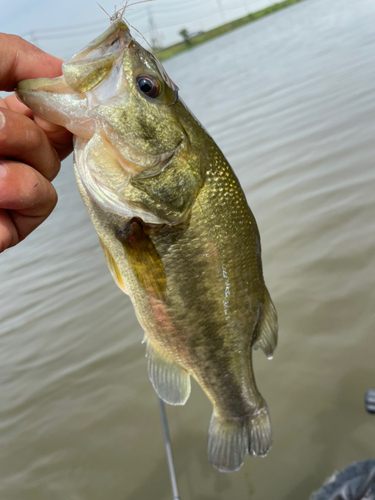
176, 230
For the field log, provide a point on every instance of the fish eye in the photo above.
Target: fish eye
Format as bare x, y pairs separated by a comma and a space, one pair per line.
149, 85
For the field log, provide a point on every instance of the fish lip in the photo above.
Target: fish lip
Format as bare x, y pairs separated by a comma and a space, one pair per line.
118, 30
25, 86
48, 85
114, 31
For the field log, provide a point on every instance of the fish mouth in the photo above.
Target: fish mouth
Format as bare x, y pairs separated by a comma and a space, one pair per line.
82, 99
92, 76
92, 65
86, 68
62, 100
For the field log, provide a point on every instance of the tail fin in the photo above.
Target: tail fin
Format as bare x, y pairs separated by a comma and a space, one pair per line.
230, 440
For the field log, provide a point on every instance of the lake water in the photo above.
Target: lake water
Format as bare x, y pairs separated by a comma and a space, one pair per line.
291, 101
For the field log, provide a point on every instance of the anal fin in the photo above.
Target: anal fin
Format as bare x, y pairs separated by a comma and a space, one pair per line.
267, 338
170, 381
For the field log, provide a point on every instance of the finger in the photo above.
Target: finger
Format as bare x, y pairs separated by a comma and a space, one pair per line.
11, 102
60, 138
8, 231
22, 139
27, 197
25, 190
21, 60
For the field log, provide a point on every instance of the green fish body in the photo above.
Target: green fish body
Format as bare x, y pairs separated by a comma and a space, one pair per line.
176, 231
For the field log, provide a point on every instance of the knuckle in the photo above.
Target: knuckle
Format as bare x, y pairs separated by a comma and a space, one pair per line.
53, 198
15, 39
56, 165
44, 198
5, 242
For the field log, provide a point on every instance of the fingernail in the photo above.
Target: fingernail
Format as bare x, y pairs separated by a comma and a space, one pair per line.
2, 121
3, 171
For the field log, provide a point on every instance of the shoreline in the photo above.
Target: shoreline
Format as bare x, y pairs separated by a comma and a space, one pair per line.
177, 48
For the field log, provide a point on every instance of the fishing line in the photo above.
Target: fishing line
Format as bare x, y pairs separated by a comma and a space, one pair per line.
168, 450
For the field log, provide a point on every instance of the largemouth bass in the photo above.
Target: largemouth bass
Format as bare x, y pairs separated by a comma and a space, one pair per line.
176, 231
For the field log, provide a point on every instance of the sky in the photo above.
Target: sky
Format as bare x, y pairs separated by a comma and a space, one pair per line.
64, 27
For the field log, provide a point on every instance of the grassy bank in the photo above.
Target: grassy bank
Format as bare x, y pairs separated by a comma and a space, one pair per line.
220, 30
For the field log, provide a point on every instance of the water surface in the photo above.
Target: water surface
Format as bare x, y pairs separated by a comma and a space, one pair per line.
291, 101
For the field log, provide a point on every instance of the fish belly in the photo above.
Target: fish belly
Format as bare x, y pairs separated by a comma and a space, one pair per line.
202, 306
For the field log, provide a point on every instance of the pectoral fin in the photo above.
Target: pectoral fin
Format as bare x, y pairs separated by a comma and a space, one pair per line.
112, 266
171, 382
143, 258
267, 338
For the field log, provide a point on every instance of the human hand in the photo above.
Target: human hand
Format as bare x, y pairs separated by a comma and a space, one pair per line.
30, 147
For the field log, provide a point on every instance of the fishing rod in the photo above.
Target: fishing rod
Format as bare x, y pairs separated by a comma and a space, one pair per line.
168, 449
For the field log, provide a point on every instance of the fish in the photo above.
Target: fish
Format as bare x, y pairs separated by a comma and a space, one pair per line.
177, 233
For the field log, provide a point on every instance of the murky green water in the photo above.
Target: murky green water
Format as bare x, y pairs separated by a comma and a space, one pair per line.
291, 101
